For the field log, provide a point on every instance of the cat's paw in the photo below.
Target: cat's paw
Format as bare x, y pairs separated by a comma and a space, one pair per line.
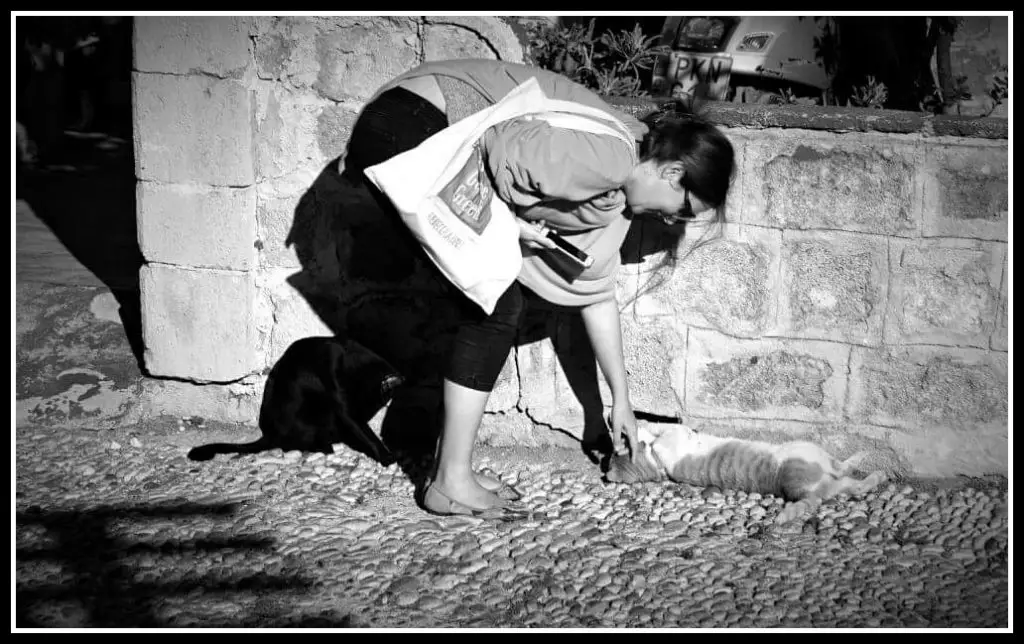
872, 481
849, 464
797, 509
789, 513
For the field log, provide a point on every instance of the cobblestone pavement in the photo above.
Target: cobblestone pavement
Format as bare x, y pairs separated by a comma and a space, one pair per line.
117, 528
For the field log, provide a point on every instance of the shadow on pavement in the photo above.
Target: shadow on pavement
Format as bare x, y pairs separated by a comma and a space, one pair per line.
87, 201
105, 569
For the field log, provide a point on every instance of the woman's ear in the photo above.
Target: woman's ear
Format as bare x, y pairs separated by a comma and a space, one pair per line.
673, 171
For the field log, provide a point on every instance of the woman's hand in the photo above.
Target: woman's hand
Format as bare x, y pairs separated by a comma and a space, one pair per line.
534, 233
609, 200
622, 422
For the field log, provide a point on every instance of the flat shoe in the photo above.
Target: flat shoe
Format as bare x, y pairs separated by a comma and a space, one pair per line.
504, 491
440, 504
508, 493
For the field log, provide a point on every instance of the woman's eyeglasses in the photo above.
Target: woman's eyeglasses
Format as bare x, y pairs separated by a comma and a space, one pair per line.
683, 214
686, 212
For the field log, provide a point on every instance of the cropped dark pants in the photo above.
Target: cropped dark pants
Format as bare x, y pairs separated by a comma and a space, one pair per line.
396, 121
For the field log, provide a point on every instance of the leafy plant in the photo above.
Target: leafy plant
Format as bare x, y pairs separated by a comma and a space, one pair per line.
568, 50
615, 64
631, 53
788, 97
611, 83
961, 88
1000, 89
872, 94
935, 102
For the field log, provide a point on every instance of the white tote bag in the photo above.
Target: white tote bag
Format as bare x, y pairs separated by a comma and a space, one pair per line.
443, 194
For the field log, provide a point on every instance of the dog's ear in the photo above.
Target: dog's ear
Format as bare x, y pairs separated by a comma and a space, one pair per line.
359, 436
365, 373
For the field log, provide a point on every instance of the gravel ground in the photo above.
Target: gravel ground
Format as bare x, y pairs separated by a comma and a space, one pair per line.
117, 528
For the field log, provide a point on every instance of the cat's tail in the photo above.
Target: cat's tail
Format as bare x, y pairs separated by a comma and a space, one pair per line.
207, 452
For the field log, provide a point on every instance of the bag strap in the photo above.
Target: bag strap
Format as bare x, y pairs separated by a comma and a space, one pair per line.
585, 123
572, 108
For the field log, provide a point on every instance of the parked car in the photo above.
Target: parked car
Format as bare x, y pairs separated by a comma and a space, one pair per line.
744, 59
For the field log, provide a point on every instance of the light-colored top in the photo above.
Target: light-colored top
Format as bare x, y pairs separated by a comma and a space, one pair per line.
545, 172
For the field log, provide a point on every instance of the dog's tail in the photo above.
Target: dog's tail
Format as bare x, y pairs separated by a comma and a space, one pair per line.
207, 452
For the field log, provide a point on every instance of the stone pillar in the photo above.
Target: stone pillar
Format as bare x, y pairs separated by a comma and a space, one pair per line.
195, 196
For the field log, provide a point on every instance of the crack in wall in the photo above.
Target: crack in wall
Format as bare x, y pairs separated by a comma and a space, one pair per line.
476, 32
847, 394
421, 55
519, 376
521, 408
537, 423
230, 76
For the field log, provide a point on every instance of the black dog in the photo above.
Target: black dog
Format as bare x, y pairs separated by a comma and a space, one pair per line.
322, 391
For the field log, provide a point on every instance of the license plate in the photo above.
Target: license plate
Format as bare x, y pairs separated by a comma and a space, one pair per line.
686, 71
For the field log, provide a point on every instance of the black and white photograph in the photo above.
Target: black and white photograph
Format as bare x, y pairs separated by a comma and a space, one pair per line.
426, 321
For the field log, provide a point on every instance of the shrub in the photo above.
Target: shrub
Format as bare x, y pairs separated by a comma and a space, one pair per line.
871, 94
614, 64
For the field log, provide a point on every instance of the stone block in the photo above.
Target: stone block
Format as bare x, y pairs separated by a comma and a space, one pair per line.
192, 129
333, 129
285, 49
505, 395
834, 286
197, 226
655, 354
343, 58
237, 402
945, 452
283, 316
966, 192
290, 125
788, 379
358, 55
943, 292
854, 183
198, 324
729, 284
517, 430
212, 45
1001, 337
274, 218
546, 396
491, 37
928, 387
444, 42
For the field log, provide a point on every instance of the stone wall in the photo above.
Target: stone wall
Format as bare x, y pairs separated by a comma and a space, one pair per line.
858, 295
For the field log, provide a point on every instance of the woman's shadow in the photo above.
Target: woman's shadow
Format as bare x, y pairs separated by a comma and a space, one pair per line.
359, 277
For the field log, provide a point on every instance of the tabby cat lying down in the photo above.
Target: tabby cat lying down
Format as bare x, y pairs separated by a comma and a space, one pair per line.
800, 473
